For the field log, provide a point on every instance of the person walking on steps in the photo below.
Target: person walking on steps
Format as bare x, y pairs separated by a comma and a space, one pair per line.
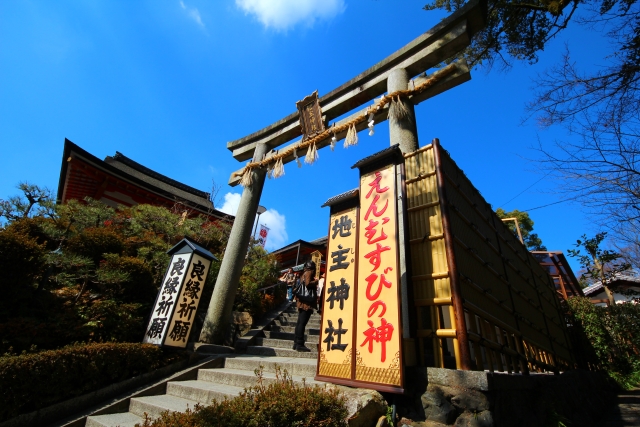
306, 293
289, 278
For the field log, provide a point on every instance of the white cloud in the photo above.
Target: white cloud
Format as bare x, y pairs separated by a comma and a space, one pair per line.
276, 223
272, 219
283, 14
231, 203
192, 13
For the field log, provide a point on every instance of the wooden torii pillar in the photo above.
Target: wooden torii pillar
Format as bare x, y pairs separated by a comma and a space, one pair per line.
442, 42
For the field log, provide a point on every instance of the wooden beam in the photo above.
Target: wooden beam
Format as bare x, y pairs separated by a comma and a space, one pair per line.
443, 41
460, 76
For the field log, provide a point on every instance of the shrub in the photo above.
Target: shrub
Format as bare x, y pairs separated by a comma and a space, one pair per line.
109, 320
32, 381
21, 263
95, 242
282, 403
273, 299
35, 228
613, 335
138, 287
259, 271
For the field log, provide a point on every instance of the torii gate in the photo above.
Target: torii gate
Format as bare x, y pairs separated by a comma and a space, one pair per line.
391, 75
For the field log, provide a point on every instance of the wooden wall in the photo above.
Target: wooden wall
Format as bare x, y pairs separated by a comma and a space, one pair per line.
464, 259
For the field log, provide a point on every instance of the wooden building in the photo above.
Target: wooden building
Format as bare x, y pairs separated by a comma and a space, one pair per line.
566, 283
625, 288
295, 254
118, 180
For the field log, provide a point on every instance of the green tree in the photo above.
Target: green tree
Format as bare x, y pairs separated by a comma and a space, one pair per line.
599, 167
525, 223
608, 337
89, 272
601, 265
34, 201
520, 29
260, 271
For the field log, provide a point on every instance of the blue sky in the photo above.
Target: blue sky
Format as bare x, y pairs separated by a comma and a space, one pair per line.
168, 83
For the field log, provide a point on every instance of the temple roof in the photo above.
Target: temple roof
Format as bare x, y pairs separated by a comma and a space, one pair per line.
119, 180
299, 251
134, 168
620, 280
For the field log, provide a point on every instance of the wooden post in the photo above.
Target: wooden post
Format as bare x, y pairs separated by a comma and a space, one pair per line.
524, 366
454, 277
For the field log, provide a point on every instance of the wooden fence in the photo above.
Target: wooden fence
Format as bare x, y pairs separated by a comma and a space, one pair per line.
483, 301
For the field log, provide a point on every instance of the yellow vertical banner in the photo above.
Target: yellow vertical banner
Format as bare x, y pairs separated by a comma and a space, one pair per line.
378, 334
337, 328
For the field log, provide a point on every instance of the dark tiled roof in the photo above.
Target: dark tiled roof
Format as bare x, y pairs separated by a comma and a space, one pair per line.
341, 197
316, 244
187, 245
320, 241
589, 290
592, 288
145, 170
393, 151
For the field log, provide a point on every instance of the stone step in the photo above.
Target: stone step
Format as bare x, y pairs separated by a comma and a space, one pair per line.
282, 335
245, 379
275, 343
203, 391
294, 365
293, 320
126, 419
272, 353
295, 315
278, 335
309, 331
294, 312
310, 324
284, 321
156, 405
283, 352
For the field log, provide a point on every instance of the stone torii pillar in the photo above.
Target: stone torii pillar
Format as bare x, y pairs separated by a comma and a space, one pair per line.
219, 312
404, 133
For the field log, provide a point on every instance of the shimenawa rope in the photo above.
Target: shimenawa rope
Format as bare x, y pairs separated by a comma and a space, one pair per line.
397, 111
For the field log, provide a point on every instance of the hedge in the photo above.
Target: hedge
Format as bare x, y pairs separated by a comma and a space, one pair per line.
32, 381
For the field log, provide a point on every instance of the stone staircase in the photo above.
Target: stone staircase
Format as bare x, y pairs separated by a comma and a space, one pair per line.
236, 372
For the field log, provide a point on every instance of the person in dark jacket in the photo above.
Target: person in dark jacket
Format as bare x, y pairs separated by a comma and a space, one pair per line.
305, 309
